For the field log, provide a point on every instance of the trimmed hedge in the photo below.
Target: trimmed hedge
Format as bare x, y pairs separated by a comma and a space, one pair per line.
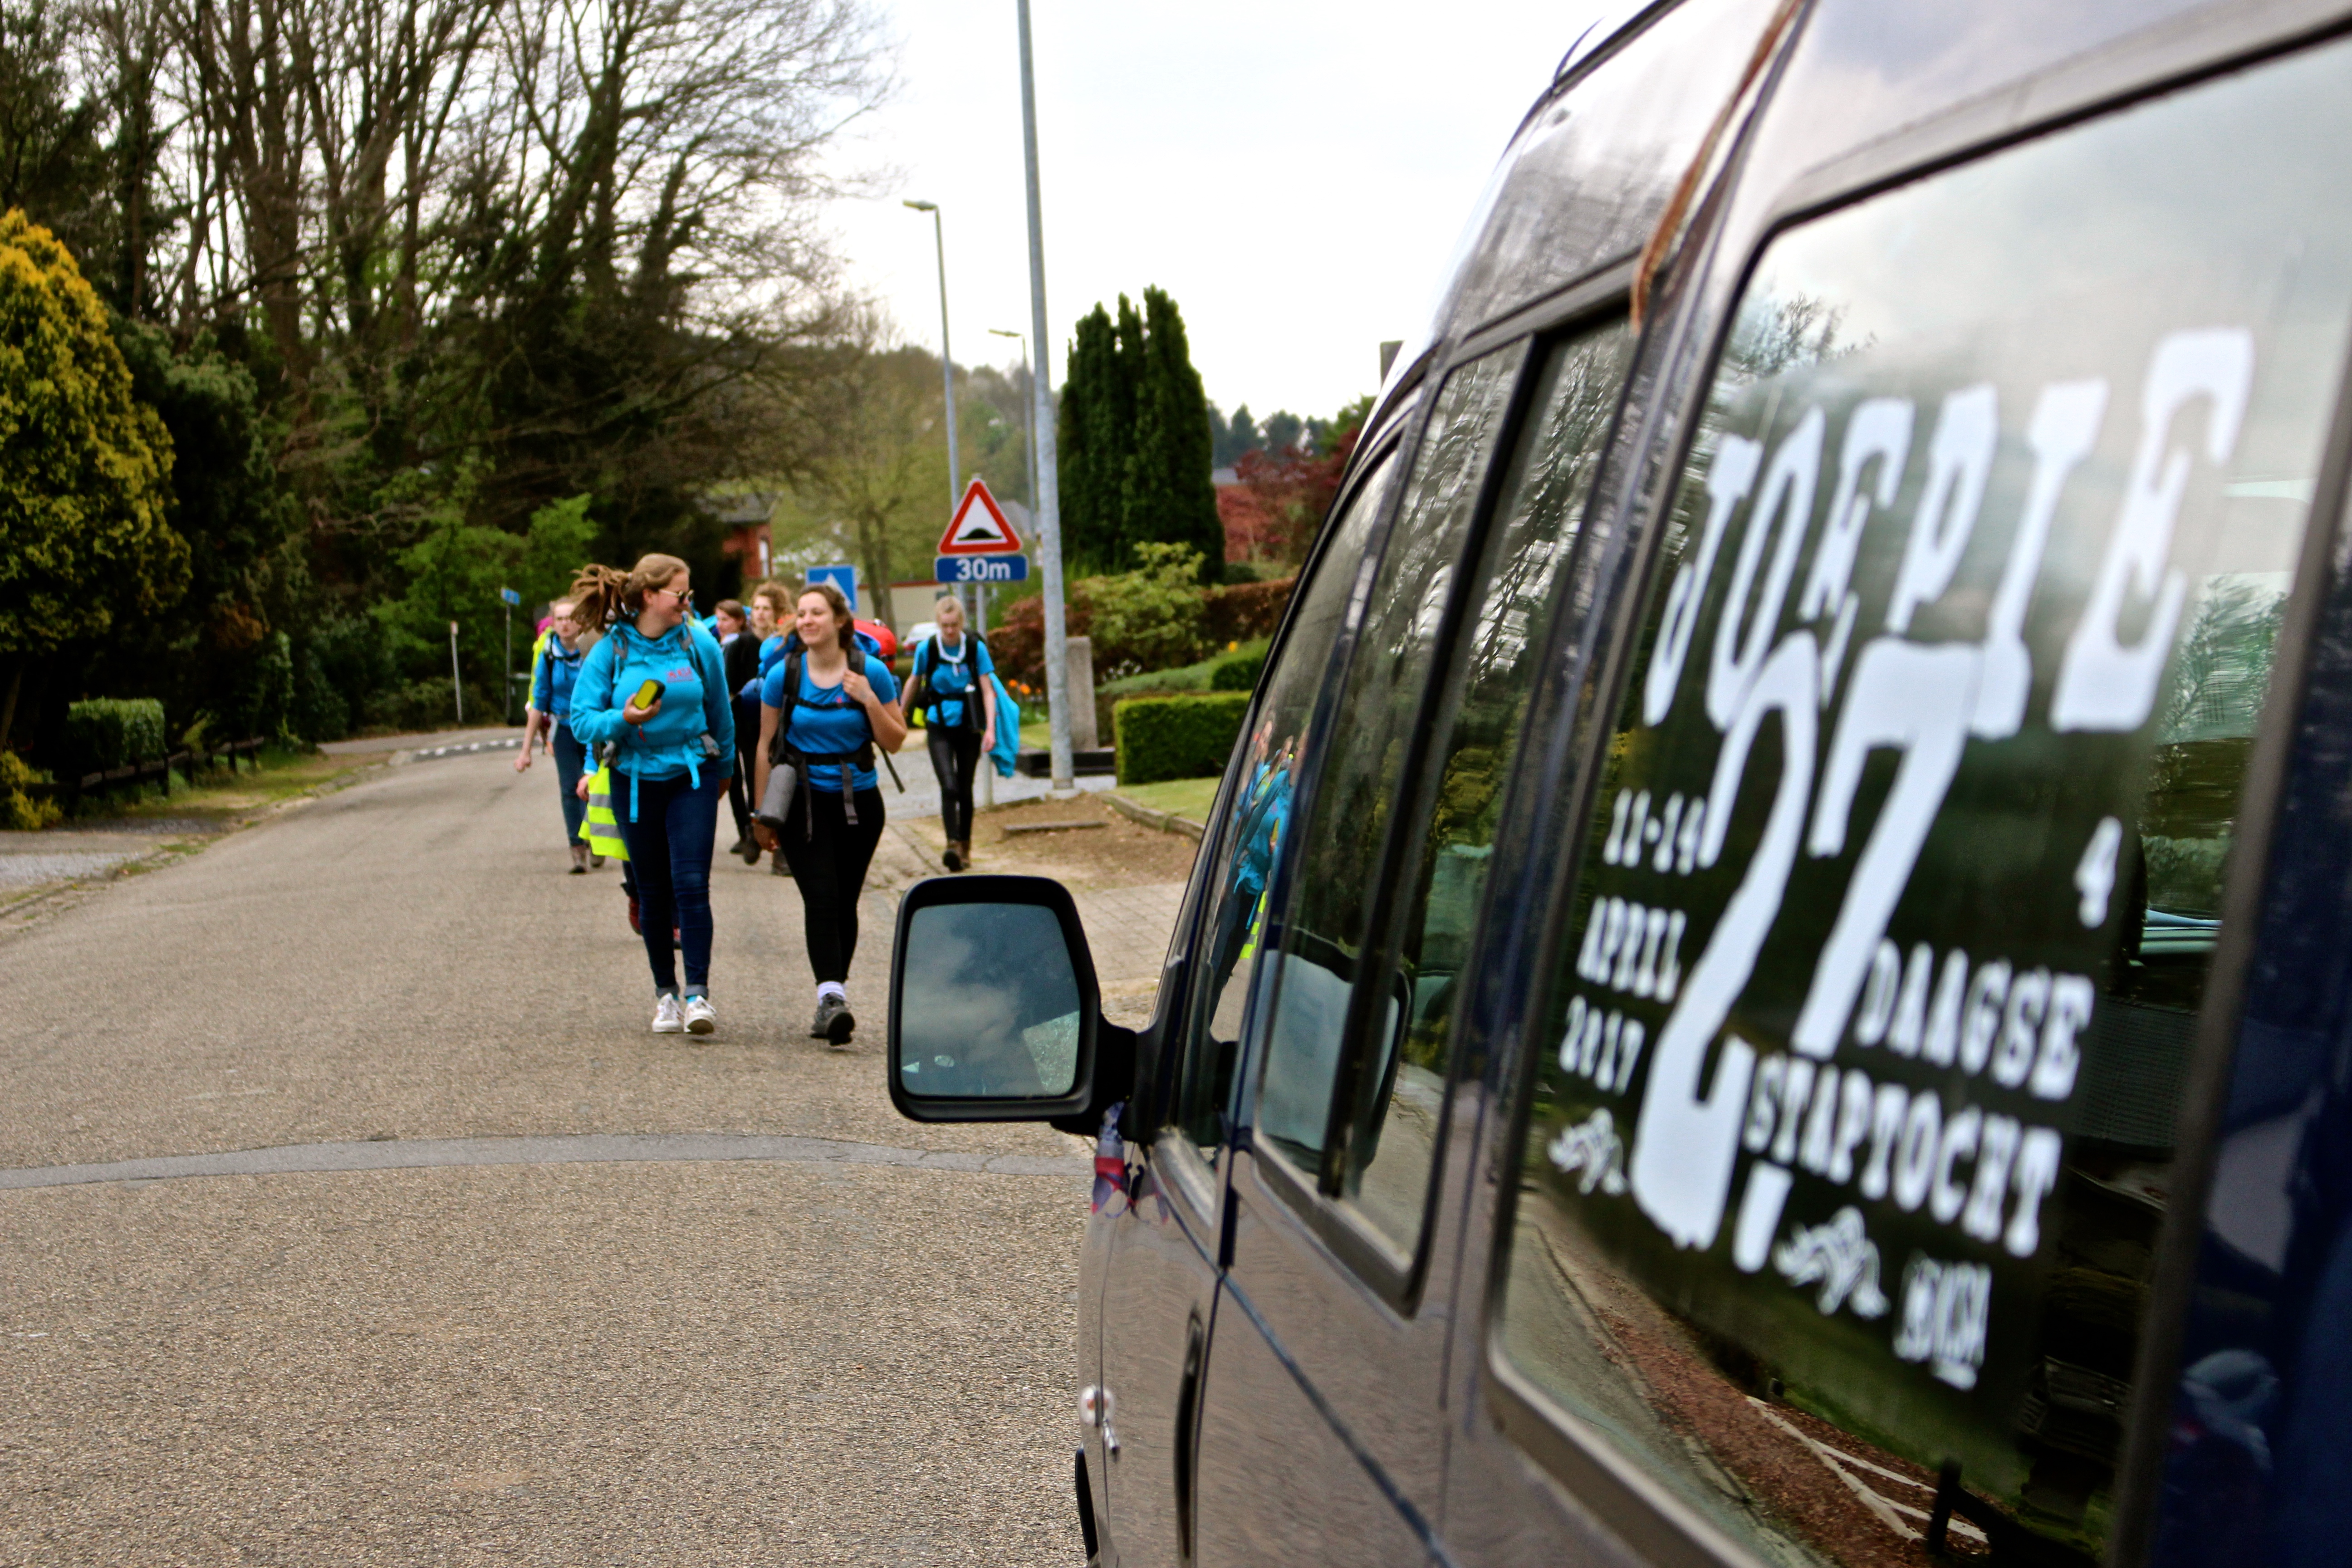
114, 731
1238, 671
1178, 736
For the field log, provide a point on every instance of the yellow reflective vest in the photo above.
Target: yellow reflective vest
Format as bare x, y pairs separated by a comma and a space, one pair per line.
602, 830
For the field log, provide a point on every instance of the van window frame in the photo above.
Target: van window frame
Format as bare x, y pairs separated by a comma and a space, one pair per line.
1605, 1482
1370, 1256
1171, 1027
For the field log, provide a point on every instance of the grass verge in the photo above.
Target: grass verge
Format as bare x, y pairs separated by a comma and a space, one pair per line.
1184, 797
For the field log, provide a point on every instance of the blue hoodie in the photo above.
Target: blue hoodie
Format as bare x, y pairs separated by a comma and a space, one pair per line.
687, 661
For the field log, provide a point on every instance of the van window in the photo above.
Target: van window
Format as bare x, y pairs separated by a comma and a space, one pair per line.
1257, 805
1853, 1122
1366, 749
1391, 1133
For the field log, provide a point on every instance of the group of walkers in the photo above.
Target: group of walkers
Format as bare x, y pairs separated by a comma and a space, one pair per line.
652, 715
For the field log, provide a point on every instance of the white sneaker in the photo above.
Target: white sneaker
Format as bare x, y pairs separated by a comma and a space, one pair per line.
665, 1016
701, 1017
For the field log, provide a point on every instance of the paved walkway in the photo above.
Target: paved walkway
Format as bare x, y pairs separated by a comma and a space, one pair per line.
352, 1216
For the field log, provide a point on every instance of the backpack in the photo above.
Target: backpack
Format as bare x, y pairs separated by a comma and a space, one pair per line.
783, 753
921, 695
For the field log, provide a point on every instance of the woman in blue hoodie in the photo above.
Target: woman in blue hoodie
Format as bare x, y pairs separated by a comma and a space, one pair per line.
670, 760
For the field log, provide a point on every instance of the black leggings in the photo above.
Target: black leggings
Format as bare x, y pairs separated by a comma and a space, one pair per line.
738, 786
955, 755
829, 869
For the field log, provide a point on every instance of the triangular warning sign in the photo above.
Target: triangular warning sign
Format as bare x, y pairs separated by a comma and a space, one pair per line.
979, 527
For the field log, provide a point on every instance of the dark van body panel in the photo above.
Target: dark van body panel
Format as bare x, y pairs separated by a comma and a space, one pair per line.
1865, 93
1288, 1384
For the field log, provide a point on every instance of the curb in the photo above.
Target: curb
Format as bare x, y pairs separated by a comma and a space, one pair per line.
1166, 821
922, 851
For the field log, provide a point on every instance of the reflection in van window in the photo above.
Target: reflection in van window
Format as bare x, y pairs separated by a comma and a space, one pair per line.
1257, 806
1392, 1132
1368, 746
1855, 1123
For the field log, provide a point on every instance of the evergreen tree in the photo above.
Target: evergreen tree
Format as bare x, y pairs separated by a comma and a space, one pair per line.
1096, 436
1136, 440
1170, 497
1239, 435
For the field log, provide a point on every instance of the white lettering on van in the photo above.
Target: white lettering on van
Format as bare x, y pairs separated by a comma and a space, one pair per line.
1960, 461
1728, 479
1686, 1141
1945, 1309
2103, 684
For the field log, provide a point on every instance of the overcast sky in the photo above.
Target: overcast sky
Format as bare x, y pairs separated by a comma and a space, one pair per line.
1293, 171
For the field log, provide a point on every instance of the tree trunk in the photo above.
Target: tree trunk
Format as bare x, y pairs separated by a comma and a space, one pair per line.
8, 703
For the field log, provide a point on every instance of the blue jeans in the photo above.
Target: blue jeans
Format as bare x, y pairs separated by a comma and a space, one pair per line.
571, 762
670, 850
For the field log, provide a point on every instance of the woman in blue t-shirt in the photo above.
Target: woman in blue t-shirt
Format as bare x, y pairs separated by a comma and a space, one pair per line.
951, 671
843, 707
554, 671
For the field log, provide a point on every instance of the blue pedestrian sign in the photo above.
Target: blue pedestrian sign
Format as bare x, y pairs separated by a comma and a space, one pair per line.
981, 568
842, 577
511, 596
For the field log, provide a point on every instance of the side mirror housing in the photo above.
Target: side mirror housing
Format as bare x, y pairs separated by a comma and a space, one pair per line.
995, 1015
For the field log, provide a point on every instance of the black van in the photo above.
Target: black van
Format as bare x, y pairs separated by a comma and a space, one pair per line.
1768, 984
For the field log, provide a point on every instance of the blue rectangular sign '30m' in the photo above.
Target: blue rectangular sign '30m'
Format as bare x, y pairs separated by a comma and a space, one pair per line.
982, 569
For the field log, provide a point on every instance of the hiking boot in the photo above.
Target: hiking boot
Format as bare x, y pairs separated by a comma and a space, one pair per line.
700, 1016
749, 850
739, 845
668, 1020
833, 1023
963, 853
596, 861
779, 866
579, 860
953, 859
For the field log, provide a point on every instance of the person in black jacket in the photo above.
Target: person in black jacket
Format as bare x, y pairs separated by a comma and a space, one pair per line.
739, 637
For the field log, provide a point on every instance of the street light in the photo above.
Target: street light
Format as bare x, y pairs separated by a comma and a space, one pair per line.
947, 361
1029, 420
1049, 506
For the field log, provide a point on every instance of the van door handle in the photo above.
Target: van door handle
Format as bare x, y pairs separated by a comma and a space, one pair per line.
1188, 1410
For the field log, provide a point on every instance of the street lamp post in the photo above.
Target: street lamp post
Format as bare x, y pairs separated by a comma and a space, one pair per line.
1048, 512
1029, 425
947, 361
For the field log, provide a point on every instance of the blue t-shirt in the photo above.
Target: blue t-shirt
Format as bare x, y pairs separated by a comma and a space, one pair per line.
559, 668
826, 720
953, 678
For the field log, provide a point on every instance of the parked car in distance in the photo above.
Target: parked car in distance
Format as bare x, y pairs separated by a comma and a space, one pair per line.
1767, 982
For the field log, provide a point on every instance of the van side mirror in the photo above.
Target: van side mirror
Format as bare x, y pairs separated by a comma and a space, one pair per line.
994, 1012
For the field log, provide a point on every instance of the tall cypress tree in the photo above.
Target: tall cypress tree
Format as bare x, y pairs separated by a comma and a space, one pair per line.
1078, 437
1170, 496
1096, 437
1134, 441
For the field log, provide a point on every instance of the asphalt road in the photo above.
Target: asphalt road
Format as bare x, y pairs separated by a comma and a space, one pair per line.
441, 1257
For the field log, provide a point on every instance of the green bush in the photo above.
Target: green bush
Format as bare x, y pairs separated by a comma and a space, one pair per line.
21, 812
1149, 619
114, 731
1177, 737
1238, 671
